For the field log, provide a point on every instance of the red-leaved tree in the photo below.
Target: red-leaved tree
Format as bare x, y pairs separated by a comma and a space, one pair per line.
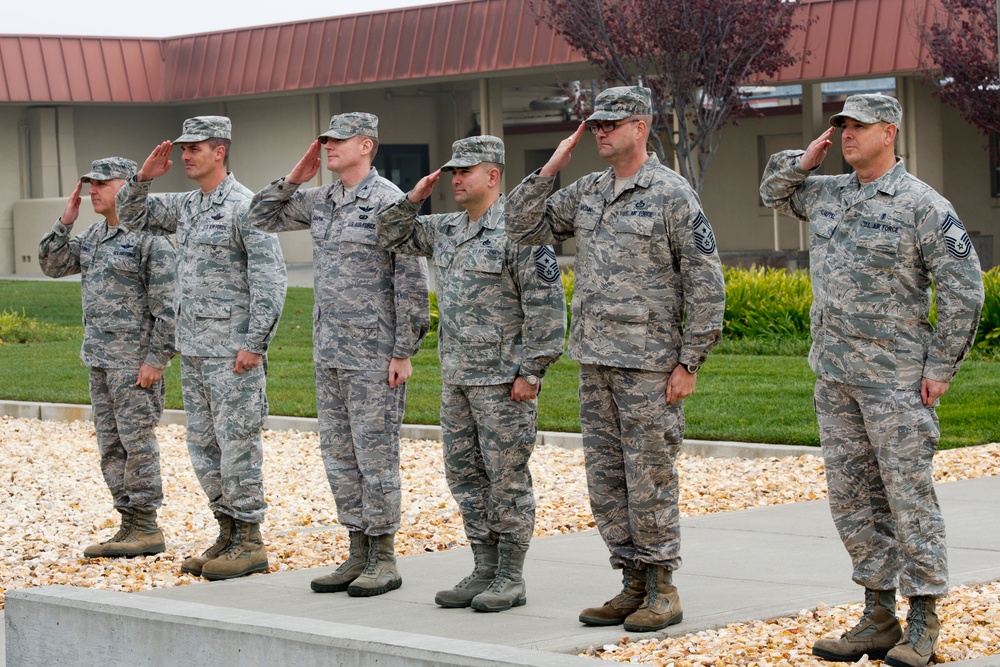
962, 45
693, 54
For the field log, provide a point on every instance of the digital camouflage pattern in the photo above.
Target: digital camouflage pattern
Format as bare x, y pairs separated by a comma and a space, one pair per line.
631, 439
127, 286
352, 124
873, 248
230, 275
646, 262
110, 168
203, 128
225, 413
488, 440
125, 418
649, 294
502, 313
359, 422
231, 288
471, 151
370, 306
621, 103
869, 109
878, 447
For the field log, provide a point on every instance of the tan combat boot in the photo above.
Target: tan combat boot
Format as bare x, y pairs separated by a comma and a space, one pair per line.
916, 648
144, 538
486, 557
380, 574
97, 550
194, 564
507, 588
338, 580
245, 554
662, 606
875, 633
622, 605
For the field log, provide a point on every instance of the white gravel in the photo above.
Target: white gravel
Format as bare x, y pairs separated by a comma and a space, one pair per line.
55, 503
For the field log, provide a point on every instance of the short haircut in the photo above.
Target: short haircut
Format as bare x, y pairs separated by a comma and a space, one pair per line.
215, 142
493, 165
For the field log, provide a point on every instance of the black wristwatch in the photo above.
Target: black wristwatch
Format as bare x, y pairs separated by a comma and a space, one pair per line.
691, 368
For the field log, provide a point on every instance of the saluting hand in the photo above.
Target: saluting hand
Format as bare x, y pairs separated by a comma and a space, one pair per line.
561, 157
72, 210
424, 187
307, 167
157, 164
816, 152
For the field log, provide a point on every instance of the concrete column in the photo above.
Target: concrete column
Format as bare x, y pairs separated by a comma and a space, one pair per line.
69, 170
491, 112
327, 105
44, 152
920, 142
814, 121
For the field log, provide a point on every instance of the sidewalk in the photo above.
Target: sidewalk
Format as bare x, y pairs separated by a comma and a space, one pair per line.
738, 566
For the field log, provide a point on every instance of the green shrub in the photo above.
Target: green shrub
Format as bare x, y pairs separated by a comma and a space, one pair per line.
19, 328
766, 303
988, 339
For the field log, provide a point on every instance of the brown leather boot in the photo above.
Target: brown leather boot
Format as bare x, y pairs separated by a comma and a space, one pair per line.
507, 588
97, 550
486, 557
244, 554
338, 580
144, 538
874, 634
194, 564
627, 602
380, 574
662, 606
916, 648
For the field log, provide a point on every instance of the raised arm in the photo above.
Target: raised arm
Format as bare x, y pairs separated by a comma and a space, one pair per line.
58, 254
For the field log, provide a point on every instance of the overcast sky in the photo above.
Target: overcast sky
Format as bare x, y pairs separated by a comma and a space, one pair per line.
167, 18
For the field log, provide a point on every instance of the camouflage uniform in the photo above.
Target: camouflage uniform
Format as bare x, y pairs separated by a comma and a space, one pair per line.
503, 314
128, 316
231, 288
371, 307
646, 262
873, 249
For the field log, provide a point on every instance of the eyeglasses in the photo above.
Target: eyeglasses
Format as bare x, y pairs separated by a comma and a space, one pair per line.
608, 126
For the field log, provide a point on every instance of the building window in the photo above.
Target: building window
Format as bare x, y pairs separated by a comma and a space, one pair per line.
404, 165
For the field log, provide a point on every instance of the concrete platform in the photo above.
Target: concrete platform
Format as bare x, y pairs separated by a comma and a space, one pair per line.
738, 566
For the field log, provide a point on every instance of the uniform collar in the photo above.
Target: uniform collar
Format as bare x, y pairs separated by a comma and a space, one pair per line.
643, 178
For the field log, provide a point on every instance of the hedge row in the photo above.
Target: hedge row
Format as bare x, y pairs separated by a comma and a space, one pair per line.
774, 303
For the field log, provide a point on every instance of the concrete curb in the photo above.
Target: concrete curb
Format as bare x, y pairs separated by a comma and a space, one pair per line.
146, 632
706, 448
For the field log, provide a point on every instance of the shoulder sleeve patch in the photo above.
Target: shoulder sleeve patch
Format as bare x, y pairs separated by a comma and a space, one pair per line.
955, 237
704, 239
546, 266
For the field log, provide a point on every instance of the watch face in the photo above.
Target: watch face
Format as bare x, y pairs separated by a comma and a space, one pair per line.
531, 379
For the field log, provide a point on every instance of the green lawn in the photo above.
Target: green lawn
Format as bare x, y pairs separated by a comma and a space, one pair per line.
751, 391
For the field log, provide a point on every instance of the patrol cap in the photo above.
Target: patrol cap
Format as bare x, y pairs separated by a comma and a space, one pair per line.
622, 102
471, 151
869, 109
351, 124
109, 168
201, 128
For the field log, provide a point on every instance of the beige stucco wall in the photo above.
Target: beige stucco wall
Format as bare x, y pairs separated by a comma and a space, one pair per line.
271, 134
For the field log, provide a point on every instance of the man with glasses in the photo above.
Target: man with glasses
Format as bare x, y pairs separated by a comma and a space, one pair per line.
370, 315
878, 237
646, 311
